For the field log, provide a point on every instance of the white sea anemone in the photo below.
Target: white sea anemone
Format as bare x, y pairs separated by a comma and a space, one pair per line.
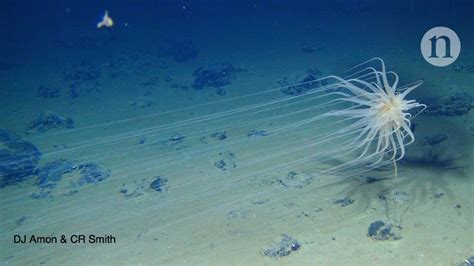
380, 110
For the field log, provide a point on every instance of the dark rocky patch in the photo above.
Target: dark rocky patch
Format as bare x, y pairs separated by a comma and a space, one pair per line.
51, 173
91, 173
48, 92
344, 201
397, 197
257, 133
379, 230
140, 187
374, 228
300, 83
260, 202
295, 180
82, 174
238, 214
227, 162
219, 135
435, 139
456, 105
282, 247
182, 51
142, 140
158, 183
373, 179
136, 189
18, 158
217, 75
20, 221
82, 78
48, 121
400, 197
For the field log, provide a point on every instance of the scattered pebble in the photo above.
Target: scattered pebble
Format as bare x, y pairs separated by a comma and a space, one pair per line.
257, 133
227, 162
295, 180
219, 135
282, 247
20, 220
238, 214
344, 201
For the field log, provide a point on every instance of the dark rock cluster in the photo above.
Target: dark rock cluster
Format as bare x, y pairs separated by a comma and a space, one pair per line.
216, 75
295, 180
458, 104
140, 187
257, 133
344, 201
227, 162
158, 183
282, 247
18, 158
301, 84
136, 189
48, 121
53, 172
82, 78
219, 135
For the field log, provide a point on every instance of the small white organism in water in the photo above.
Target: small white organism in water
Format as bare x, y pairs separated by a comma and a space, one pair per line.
106, 21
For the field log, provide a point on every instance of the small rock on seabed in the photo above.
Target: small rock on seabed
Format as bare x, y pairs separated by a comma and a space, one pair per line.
282, 247
379, 230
